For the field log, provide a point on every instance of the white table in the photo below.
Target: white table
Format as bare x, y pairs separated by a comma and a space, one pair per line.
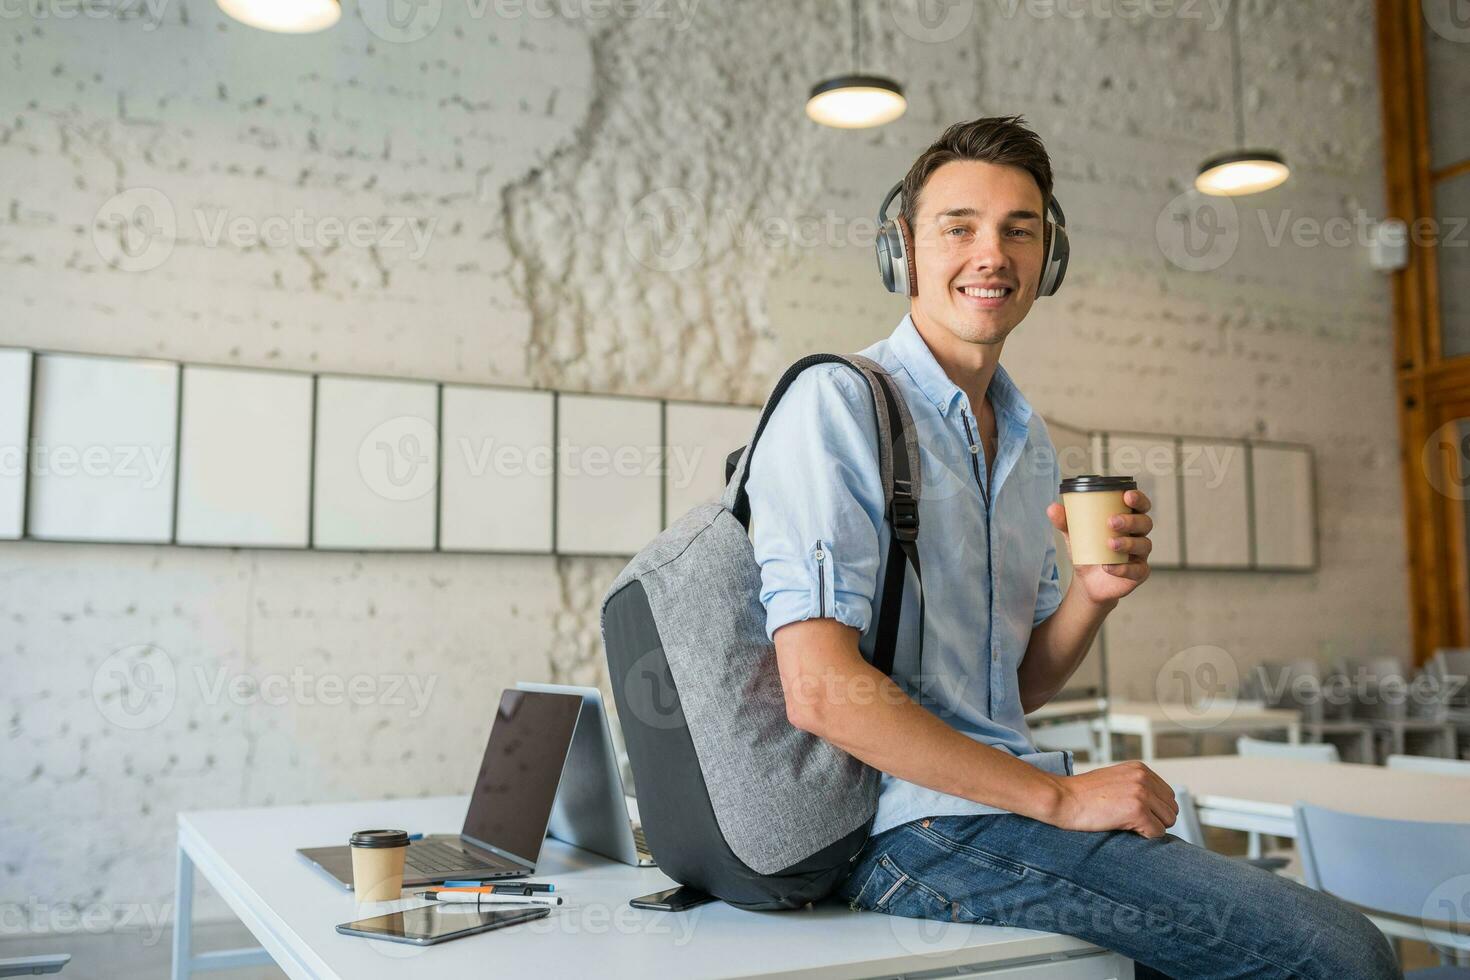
291, 908
1256, 794
1147, 720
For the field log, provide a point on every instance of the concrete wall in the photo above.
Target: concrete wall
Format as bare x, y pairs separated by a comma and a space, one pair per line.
529, 146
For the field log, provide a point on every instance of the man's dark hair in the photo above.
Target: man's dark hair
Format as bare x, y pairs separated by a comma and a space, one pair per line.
993, 139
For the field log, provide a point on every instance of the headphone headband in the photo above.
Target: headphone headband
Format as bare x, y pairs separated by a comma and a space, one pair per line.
894, 246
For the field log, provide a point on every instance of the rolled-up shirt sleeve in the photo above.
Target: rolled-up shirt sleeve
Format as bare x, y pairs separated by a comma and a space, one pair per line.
816, 502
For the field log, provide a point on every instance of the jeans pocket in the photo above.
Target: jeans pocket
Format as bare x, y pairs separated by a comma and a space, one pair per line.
889, 888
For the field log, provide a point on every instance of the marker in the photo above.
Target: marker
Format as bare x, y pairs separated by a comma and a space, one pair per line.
509, 887
480, 898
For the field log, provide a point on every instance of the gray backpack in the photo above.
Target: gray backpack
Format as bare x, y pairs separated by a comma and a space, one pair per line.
735, 801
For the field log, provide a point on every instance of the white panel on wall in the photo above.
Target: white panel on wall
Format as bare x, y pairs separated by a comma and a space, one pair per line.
377, 462
103, 464
15, 414
498, 470
1216, 505
1285, 512
699, 438
1152, 461
1076, 453
608, 482
244, 458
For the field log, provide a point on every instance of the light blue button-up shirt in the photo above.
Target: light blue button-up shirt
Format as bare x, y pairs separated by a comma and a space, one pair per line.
985, 543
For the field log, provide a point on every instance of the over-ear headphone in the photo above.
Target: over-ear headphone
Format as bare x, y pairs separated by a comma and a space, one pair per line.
895, 248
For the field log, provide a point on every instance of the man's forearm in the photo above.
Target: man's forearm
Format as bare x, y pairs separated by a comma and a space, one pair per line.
1058, 645
869, 717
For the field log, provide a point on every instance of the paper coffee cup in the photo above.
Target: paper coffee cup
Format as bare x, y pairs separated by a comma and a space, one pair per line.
377, 864
1089, 501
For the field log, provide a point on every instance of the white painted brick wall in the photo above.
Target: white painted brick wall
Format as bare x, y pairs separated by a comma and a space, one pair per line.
528, 142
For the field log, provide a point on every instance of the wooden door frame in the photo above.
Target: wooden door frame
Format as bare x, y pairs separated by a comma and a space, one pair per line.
1429, 386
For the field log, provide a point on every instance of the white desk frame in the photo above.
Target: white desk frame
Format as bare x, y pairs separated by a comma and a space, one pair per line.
291, 908
1148, 720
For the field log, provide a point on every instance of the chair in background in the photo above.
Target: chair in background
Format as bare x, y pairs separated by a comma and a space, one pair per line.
1070, 736
1449, 668
1395, 870
1298, 686
1306, 752
1383, 697
1263, 749
1188, 829
1428, 763
29, 966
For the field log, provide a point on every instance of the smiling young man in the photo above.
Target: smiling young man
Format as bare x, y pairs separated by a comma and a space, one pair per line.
974, 824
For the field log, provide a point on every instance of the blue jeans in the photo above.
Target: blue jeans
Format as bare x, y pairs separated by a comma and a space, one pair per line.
1173, 908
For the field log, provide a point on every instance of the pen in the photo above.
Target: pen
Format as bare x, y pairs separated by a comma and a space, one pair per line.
509, 887
480, 898
489, 889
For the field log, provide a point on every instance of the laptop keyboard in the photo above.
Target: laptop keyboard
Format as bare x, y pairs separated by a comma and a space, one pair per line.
433, 858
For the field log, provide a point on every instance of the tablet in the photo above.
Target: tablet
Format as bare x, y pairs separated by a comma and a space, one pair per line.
430, 924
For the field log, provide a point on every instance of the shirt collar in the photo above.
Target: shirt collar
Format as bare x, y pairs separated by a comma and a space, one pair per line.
918, 360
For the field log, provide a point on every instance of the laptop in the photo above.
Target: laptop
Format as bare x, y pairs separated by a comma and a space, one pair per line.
509, 806
590, 810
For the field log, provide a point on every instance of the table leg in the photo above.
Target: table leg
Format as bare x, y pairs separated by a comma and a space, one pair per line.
1365, 746
1294, 733
183, 917
186, 964
1105, 742
1148, 743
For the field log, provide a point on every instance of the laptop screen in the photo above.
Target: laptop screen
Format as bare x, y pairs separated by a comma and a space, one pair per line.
513, 794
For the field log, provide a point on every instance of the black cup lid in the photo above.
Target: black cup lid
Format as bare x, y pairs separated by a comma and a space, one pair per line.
380, 838
1092, 483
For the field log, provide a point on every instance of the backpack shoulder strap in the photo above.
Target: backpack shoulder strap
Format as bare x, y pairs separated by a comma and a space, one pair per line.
901, 475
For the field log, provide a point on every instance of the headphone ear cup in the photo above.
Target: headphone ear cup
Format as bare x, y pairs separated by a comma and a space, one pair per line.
888, 242
1058, 250
908, 255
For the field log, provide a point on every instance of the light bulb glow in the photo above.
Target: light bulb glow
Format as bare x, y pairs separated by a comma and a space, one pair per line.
856, 102
284, 16
1246, 172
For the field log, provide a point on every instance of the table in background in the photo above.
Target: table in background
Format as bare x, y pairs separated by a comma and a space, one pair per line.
1252, 793
1147, 720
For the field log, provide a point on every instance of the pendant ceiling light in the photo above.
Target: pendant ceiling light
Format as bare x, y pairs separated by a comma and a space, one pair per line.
1240, 171
856, 101
285, 16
